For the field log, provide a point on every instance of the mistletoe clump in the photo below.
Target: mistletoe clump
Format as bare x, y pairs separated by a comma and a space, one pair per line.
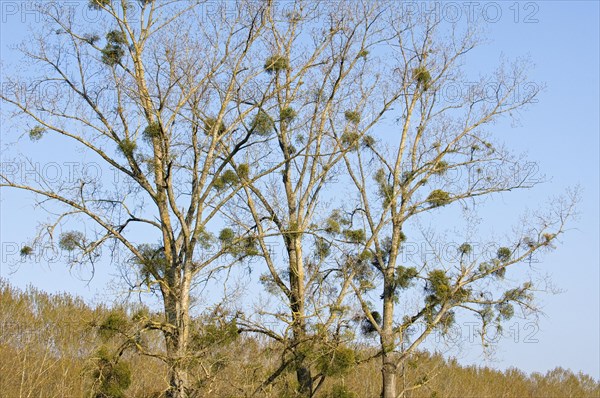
368, 141
262, 124
243, 171
350, 140
322, 248
36, 133
91, 38
26, 251
422, 76
113, 324
503, 254
98, 4
287, 114
355, 235
367, 326
276, 63
465, 249
440, 168
113, 52
209, 126
70, 241
404, 276
152, 130
438, 286
127, 146
226, 179
386, 190
218, 333
226, 236
352, 117
438, 198
237, 246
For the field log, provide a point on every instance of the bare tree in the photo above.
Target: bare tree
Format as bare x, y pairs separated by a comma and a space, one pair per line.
331, 86
441, 156
162, 95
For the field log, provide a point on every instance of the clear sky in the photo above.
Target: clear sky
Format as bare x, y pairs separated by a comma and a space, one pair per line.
561, 133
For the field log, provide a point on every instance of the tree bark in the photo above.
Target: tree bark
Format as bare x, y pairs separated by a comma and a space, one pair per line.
178, 382
388, 372
303, 373
388, 344
388, 368
304, 377
177, 315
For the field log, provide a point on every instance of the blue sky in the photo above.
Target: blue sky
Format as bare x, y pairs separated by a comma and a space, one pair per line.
561, 133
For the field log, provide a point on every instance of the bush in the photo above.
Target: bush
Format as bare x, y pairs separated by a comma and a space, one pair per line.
340, 391
337, 362
114, 376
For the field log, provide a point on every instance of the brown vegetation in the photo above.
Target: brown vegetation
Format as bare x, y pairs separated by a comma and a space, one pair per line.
49, 345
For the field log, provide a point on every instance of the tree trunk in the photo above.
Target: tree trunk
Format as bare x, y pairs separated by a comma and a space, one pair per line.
304, 377
178, 381
388, 368
177, 314
388, 372
177, 372
303, 373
